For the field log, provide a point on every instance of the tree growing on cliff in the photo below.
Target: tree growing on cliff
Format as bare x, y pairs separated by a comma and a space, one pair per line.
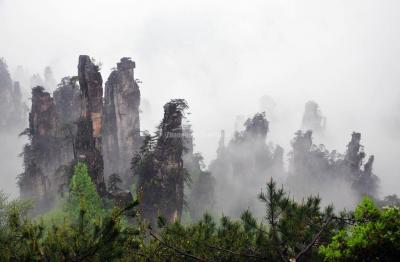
159, 166
113, 181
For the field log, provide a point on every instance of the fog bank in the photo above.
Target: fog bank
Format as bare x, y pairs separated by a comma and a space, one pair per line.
223, 56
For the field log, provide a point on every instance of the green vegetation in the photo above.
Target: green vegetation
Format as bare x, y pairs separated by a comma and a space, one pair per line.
83, 194
290, 230
87, 232
374, 236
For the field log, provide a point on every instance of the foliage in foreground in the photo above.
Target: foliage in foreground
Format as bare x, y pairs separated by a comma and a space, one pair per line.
289, 230
375, 236
83, 194
87, 233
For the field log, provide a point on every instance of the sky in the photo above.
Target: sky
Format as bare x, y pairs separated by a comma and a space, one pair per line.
223, 56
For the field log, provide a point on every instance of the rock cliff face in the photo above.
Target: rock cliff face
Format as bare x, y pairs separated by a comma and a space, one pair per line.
365, 182
170, 149
43, 116
63, 130
42, 155
68, 106
121, 129
51, 133
159, 167
91, 86
88, 138
68, 100
69, 128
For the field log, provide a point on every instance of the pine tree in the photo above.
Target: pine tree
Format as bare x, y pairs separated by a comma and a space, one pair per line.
83, 194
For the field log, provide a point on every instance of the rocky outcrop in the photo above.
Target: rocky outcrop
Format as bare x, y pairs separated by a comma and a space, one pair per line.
88, 138
52, 130
365, 182
159, 167
61, 131
68, 100
43, 116
244, 164
313, 119
91, 87
189, 160
13, 110
69, 127
121, 129
314, 169
355, 153
18, 109
170, 149
68, 106
42, 155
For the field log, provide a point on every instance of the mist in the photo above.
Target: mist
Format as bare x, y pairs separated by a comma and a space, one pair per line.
222, 57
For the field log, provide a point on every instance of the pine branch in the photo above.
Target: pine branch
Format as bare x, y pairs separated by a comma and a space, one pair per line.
349, 221
176, 249
237, 254
101, 239
316, 237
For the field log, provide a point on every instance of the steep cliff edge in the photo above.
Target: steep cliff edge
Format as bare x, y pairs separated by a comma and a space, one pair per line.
88, 138
121, 129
